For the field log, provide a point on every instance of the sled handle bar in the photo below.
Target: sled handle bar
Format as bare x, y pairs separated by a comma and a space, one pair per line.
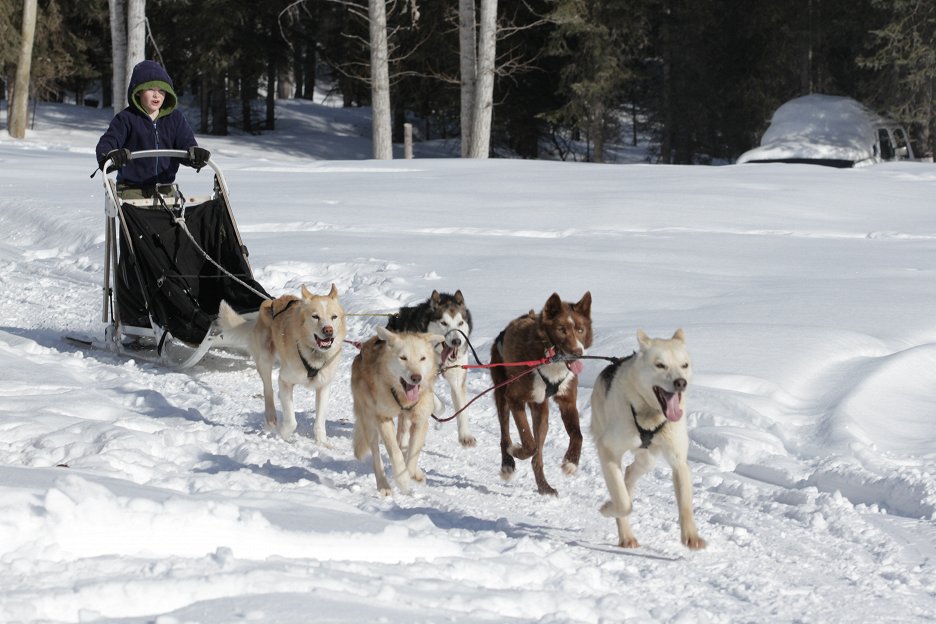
173, 153
167, 153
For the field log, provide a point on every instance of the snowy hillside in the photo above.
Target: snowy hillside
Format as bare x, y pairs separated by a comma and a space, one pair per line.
132, 494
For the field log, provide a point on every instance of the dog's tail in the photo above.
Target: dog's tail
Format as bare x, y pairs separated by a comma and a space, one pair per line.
235, 329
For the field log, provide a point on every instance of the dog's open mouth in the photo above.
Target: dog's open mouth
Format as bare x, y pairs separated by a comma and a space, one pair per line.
448, 352
324, 343
411, 391
669, 403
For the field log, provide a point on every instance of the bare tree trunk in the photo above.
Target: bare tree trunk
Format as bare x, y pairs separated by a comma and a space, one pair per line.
118, 26
380, 80
20, 110
484, 95
136, 33
272, 85
468, 52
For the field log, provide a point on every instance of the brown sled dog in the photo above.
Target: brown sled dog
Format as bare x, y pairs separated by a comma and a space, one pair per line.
566, 327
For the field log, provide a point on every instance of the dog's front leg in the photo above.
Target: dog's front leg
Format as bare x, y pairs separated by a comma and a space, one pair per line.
527, 446
383, 486
416, 442
457, 380
506, 444
643, 461
288, 425
540, 429
264, 365
570, 418
321, 405
682, 482
620, 503
388, 435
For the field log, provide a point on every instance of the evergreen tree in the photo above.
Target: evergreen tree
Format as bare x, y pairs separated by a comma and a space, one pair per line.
903, 55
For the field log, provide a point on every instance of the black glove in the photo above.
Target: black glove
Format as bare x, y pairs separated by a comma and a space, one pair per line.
117, 157
198, 157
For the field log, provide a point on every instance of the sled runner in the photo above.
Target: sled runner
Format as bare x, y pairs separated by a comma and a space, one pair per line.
169, 260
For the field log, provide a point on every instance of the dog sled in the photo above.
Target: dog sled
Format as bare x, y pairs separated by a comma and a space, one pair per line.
169, 260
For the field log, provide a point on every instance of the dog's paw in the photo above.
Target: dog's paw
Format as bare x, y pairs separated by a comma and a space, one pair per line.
517, 451
569, 468
507, 472
547, 490
467, 440
628, 541
403, 482
418, 475
693, 542
608, 510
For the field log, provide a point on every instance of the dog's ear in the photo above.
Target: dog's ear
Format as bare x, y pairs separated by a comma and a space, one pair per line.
435, 297
333, 293
679, 336
386, 335
553, 306
643, 339
584, 304
305, 292
459, 299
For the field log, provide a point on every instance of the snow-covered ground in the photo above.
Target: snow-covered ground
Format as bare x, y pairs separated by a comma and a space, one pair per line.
131, 493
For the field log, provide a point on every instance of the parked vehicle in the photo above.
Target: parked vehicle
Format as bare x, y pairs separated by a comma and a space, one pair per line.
830, 130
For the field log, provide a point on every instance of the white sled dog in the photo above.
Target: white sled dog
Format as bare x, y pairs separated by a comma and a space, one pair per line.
446, 315
392, 378
638, 405
305, 335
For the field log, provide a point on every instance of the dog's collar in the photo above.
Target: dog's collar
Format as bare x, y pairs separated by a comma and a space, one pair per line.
646, 435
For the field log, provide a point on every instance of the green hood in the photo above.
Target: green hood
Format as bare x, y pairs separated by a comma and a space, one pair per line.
169, 104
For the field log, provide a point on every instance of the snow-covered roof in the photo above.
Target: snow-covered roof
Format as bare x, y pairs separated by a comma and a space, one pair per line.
818, 127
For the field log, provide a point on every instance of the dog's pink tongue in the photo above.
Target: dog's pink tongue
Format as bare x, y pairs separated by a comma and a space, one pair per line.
576, 367
446, 352
673, 410
412, 392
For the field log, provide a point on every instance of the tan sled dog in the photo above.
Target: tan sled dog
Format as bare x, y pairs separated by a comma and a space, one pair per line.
567, 328
392, 378
306, 335
638, 405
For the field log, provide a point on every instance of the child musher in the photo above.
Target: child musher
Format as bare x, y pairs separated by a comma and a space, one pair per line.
150, 121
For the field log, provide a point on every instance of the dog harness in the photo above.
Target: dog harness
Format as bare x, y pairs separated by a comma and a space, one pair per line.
400, 403
646, 435
311, 371
552, 387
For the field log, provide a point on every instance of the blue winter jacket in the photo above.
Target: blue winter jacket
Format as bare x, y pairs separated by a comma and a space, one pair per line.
133, 129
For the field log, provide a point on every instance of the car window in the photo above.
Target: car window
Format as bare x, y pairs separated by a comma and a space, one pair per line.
887, 147
903, 146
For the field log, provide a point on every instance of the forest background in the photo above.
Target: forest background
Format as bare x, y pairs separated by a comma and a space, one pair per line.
696, 79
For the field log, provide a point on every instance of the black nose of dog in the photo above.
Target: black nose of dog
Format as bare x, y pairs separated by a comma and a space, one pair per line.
679, 384
456, 341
